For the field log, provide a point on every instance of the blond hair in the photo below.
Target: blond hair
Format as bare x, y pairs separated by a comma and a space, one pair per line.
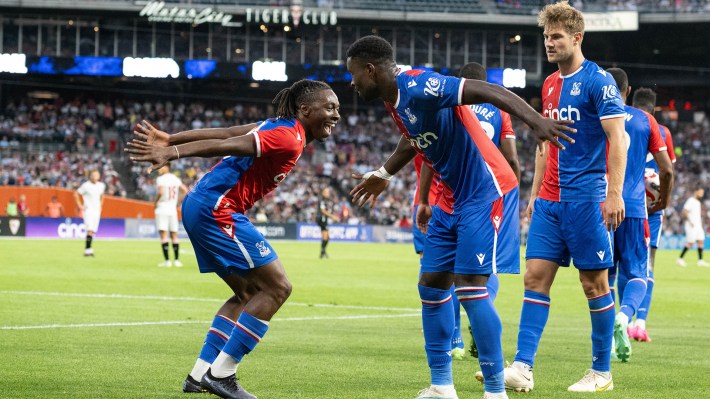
561, 14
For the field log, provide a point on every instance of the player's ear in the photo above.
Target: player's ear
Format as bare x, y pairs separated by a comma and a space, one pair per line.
628, 91
305, 109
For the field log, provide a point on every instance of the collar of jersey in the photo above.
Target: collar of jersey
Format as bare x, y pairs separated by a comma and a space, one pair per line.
575, 72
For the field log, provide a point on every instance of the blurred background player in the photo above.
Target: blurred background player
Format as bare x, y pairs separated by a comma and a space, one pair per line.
631, 238
90, 199
54, 208
579, 199
694, 232
325, 212
645, 100
499, 129
170, 190
483, 234
257, 158
428, 182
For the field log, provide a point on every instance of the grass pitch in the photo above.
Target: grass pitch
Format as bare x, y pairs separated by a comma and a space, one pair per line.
117, 326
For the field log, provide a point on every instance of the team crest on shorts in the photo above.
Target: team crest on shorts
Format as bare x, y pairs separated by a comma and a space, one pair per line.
263, 249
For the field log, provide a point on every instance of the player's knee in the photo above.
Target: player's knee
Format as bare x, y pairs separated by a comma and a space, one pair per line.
281, 290
594, 287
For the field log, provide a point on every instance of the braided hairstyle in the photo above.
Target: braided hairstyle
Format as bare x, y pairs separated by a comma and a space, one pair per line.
289, 99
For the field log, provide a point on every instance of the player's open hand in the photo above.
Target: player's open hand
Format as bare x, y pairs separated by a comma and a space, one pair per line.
369, 189
422, 217
148, 133
547, 129
613, 211
158, 156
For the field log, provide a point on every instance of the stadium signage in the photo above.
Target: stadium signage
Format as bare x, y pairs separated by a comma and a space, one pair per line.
156, 11
295, 15
13, 63
611, 21
12, 226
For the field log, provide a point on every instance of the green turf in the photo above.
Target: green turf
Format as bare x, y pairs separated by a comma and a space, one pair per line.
310, 351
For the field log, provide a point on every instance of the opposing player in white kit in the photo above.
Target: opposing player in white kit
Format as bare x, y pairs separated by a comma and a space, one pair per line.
170, 189
90, 198
694, 232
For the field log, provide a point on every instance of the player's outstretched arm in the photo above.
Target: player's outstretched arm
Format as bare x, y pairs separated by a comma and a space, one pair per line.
147, 132
375, 182
614, 210
665, 175
159, 156
477, 92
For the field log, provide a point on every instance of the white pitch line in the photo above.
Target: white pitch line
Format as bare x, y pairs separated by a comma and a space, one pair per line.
154, 323
195, 299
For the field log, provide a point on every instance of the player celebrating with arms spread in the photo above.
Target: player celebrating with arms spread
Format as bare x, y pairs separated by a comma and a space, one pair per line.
258, 158
571, 209
462, 247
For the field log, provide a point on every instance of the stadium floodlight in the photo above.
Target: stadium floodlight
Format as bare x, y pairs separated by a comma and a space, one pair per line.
13, 63
150, 67
269, 70
514, 78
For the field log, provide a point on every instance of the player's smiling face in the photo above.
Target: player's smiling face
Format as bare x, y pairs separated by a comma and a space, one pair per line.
320, 116
560, 45
363, 80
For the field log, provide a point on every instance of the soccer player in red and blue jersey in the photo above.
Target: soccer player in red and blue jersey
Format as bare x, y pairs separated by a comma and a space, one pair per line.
257, 158
645, 100
632, 238
479, 234
576, 199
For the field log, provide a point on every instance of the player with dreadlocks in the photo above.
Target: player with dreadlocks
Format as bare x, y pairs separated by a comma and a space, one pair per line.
257, 158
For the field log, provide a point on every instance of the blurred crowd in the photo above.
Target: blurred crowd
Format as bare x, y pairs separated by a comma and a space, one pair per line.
361, 142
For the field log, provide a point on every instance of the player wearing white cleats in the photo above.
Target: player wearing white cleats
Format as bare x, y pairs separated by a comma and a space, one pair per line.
438, 392
593, 381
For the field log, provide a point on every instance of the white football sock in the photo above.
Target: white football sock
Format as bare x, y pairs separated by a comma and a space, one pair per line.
199, 370
224, 366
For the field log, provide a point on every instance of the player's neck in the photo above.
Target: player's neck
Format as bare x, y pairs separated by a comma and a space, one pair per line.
572, 64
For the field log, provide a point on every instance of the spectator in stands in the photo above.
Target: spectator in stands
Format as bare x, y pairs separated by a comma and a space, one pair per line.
22, 207
11, 209
54, 208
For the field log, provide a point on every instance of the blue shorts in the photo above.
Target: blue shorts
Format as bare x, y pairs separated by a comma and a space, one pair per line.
475, 240
631, 248
224, 242
655, 224
560, 230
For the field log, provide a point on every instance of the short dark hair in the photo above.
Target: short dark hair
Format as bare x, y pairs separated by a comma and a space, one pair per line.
473, 70
372, 49
289, 99
645, 99
622, 80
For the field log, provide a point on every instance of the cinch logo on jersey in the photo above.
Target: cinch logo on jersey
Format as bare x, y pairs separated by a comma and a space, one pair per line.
423, 141
569, 113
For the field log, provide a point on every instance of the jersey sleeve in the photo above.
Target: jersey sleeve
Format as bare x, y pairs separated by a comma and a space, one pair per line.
669, 145
655, 141
82, 189
434, 91
605, 96
687, 206
278, 140
506, 126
